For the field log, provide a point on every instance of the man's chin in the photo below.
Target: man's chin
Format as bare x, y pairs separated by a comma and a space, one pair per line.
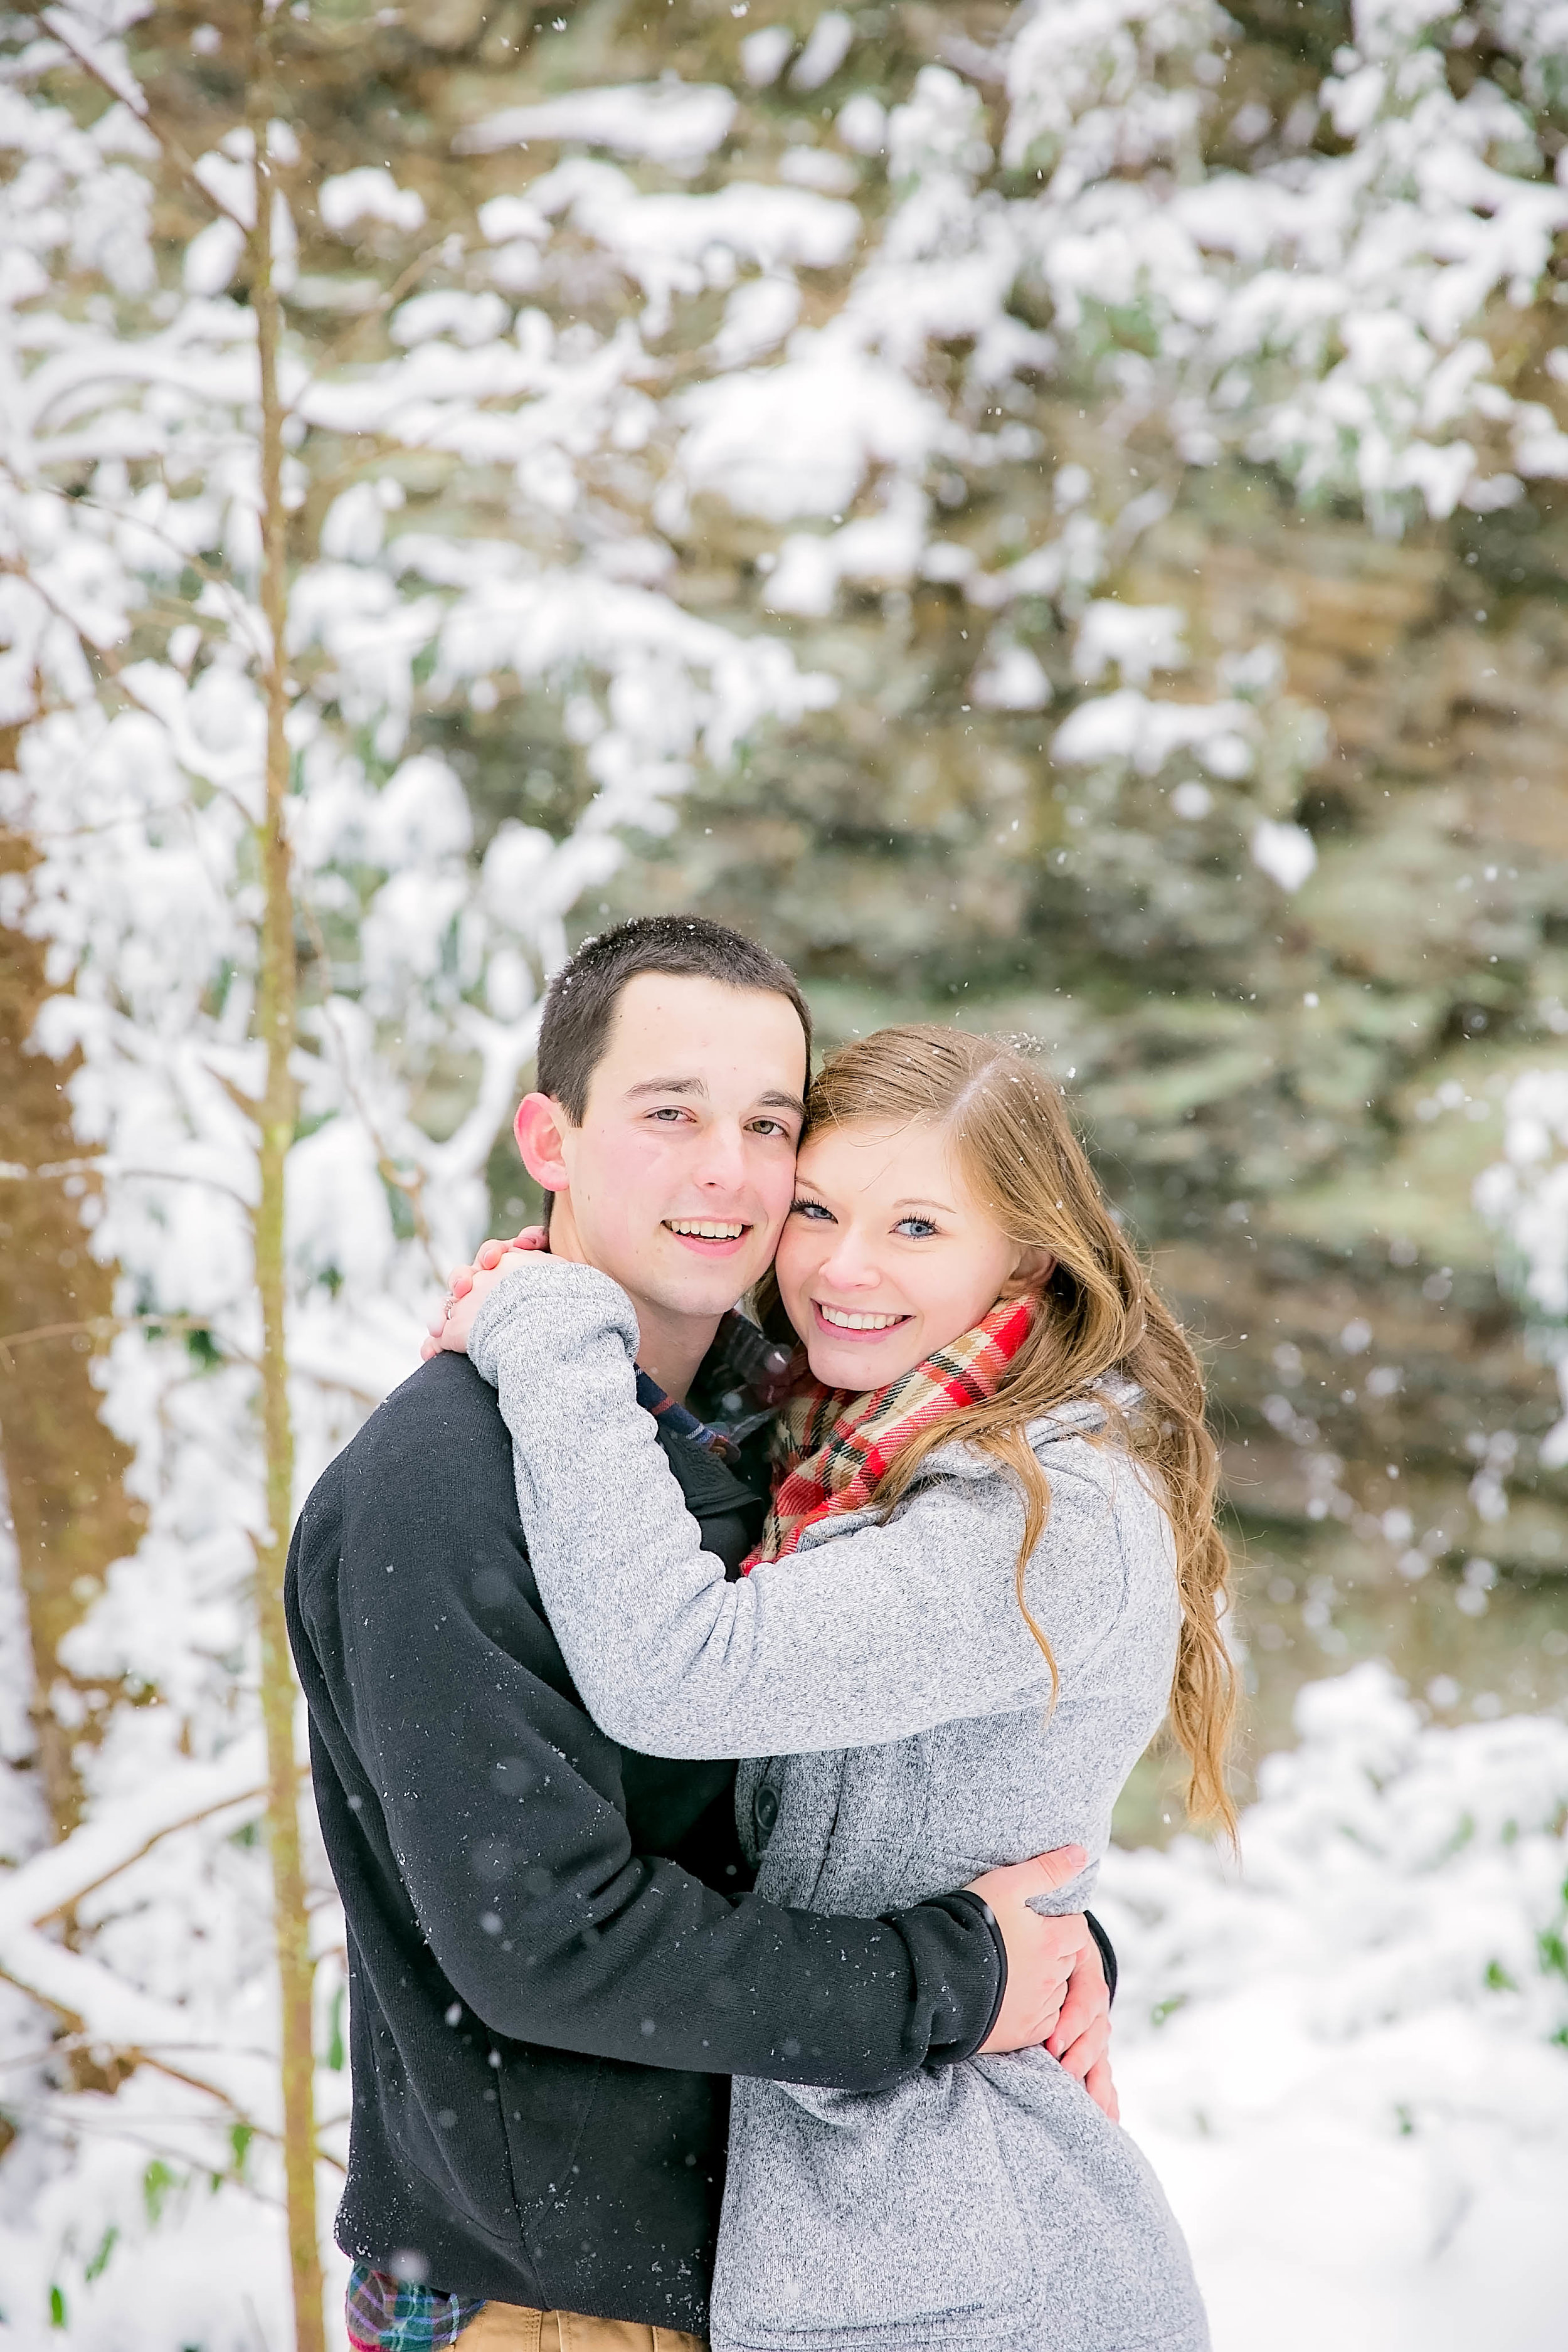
703, 1285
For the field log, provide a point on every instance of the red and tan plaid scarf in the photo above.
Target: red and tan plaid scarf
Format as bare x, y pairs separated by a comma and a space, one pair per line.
838, 1445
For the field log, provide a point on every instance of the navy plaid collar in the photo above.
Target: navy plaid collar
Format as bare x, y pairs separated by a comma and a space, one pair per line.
681, 1422
744, 1373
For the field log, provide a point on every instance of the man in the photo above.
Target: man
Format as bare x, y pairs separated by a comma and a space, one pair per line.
555, 1963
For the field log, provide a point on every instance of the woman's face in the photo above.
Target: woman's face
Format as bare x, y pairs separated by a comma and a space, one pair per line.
885, 1256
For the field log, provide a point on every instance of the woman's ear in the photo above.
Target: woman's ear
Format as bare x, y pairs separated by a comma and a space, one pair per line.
540, 1127
1033, 1271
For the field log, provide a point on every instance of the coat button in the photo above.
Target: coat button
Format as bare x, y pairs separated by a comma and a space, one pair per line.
766, 1811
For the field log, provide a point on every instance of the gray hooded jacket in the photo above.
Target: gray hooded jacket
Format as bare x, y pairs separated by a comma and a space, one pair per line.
894, 1712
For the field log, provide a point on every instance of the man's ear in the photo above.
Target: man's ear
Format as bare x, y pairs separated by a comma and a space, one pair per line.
539, 1127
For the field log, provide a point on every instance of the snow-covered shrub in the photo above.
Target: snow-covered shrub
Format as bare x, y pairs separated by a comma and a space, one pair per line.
1349, 2057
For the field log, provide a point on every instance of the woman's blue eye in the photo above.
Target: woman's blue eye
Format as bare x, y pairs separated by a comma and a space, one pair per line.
924, 1224
813, 1209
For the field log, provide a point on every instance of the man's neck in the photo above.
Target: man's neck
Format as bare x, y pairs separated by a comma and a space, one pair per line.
670, 1347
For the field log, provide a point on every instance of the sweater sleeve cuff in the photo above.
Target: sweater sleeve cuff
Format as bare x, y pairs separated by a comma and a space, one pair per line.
544, 1309
959, 1973
1107, 1952
486, 1334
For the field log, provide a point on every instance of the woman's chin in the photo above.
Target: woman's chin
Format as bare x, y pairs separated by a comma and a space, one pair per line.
859, 1365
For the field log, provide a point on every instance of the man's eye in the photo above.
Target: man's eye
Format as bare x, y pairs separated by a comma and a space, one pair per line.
668, 1111
917, 1228
812, 1209
770, 1126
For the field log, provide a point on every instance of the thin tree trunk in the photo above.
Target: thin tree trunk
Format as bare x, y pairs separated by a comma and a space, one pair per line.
64, 1469
277, 1009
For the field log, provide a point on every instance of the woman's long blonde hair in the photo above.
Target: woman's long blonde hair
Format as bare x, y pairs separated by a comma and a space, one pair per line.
1014, 1143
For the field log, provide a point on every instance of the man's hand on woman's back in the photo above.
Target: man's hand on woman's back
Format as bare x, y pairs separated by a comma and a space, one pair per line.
1056, 1991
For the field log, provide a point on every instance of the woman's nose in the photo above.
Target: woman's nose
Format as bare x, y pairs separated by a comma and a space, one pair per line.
849, 1267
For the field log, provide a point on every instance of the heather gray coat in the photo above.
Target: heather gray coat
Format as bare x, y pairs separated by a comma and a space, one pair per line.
887, 1673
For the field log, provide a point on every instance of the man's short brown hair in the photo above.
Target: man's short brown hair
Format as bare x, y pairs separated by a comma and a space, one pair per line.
580, 1002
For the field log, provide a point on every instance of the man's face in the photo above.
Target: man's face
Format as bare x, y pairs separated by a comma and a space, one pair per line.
681, 1174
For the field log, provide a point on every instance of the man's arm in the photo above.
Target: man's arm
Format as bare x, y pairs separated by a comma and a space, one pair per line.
501, 1796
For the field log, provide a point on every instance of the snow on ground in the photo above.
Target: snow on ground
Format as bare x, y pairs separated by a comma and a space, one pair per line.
1350, 2061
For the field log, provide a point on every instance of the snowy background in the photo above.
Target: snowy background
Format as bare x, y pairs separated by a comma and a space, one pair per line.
1051, 512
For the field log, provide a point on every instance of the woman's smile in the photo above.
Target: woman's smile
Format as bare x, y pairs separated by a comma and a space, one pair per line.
855, 1322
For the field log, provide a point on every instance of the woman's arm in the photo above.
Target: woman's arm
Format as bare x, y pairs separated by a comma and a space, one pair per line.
870, 1635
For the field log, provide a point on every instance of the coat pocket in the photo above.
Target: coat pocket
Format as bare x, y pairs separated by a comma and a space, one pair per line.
1103, 2238
884, 2219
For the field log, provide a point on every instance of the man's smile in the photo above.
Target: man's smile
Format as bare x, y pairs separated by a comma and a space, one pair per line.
708, 1236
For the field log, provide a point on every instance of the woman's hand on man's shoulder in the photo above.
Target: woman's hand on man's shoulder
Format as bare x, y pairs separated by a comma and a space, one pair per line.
472, 1285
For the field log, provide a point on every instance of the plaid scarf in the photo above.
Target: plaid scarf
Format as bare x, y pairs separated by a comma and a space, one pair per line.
838, 1445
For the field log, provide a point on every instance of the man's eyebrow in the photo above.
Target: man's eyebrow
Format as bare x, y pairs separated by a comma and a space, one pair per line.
667, 1087
774, 1099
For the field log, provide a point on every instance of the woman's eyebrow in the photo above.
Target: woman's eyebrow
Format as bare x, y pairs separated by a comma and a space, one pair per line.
945, 1206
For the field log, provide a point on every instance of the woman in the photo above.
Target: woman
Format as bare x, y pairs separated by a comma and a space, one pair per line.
990, 1566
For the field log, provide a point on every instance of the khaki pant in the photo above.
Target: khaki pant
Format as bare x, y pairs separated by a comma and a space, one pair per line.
507, 2327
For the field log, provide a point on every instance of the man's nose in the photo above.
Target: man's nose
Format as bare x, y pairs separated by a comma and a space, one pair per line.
722, 1162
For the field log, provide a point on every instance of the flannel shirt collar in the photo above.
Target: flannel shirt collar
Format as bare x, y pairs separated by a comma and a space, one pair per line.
743, 1381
